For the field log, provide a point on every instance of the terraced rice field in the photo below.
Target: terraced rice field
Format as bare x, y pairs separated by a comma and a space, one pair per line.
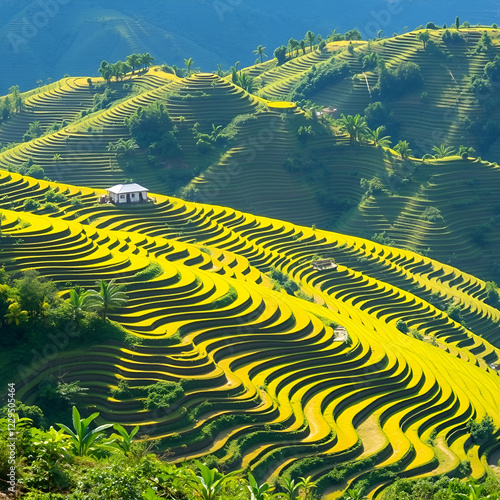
447, 72
270, 382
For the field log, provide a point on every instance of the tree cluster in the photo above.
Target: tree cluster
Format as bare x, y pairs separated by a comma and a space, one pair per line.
393, 83
119, 69
151, 127
319, 77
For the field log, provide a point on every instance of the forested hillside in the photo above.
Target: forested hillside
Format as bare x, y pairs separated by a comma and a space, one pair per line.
51, 38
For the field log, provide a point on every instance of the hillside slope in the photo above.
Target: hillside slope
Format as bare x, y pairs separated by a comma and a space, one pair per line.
283, 390
445, 206
48, 39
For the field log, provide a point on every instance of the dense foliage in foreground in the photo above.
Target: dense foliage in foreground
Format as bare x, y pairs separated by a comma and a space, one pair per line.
84, 463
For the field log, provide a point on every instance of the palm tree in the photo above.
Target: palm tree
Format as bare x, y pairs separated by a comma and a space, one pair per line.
189, 62
260, 52
403, 148
424, 37
134, 60
109, 297
442, 151
310, 37
79, 302
378, 138
15, 314
245, 81
56, 158
355, 126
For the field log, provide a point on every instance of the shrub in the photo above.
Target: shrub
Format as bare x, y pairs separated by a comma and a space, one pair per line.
452, 37
204, 146
122, 391
369, 61
304, 133
280, 55
36, 172
319, 77
162, 395
383, 239
152, 125
416, 334
31, 204
492, 296
226, 299
55, 197
152, 271
402, 326
371, 186
51, 207
34, 131
454, 311
377, 115
431, 214
481, 431
392, 84
76, 202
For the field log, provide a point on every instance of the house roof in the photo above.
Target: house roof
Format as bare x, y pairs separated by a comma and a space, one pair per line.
127, 188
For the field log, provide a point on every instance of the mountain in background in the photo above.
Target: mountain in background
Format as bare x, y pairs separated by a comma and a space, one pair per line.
50, 38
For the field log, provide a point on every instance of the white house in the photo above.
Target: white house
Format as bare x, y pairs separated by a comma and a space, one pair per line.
128, 193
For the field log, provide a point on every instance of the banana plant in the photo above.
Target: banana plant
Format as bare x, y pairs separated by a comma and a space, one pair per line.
123, 440
210, 481
306, 485
355, 494
474, 494
291, 488
257, 492
83, 439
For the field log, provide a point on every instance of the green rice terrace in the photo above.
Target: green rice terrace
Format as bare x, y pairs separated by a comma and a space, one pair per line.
306, 298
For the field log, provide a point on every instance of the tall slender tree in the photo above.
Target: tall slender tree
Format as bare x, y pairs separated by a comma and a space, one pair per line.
146, 60
310, 37
424, 37
293, 46
260, 52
